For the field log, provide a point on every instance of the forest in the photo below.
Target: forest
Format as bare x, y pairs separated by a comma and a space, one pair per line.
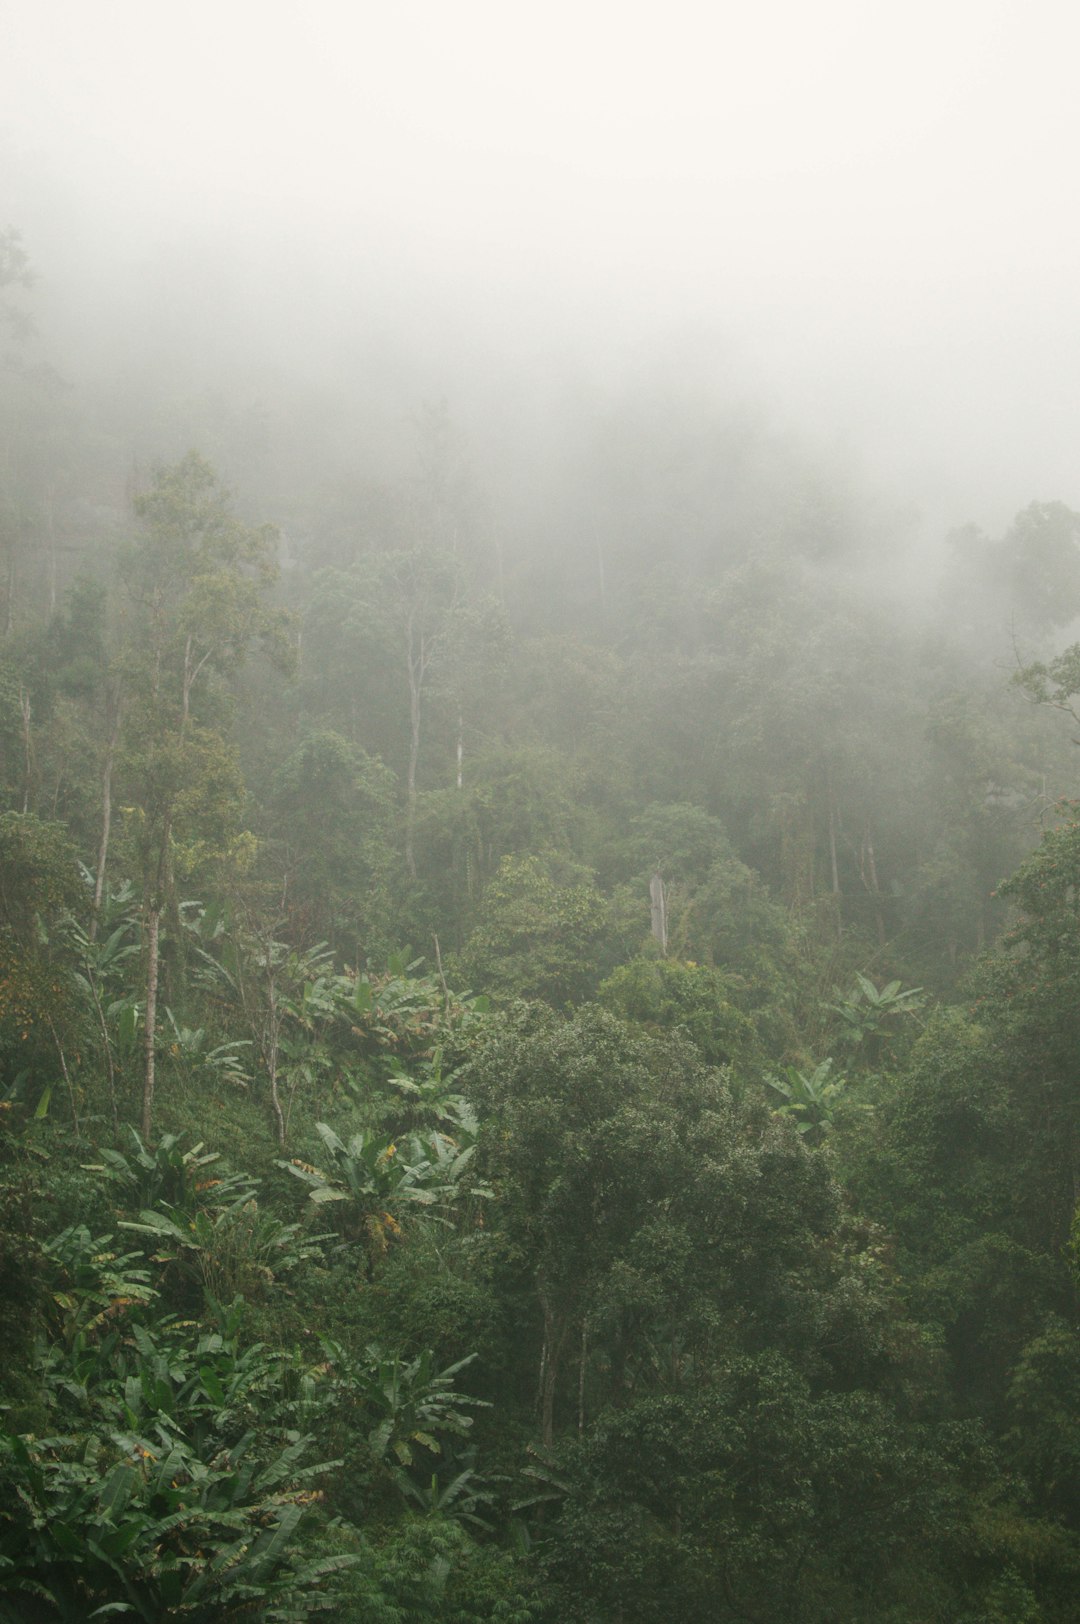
539, 1018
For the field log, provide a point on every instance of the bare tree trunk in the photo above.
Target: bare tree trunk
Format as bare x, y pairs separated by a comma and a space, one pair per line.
50, 532
159, 897
67, 1075
272, 1052
416, 678
192, 671
9, 617
871, 881
28, 752
153, 928
554, 1338
105, 1039
658, 900
106, 818
834, 865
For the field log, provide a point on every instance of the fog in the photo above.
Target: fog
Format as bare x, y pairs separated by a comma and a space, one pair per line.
853, 226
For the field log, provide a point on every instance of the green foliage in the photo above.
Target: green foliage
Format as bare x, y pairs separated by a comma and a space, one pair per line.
670, 995
748, 1497
869, 1016
380, 1180
404, 1404
39, 876
39, 883
90, 1284
1044, 1415
428, 1568
331, 806
536, 937
791, 1340
170, 1502
810, 1097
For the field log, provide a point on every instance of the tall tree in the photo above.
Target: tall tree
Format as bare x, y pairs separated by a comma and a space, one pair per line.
197, 581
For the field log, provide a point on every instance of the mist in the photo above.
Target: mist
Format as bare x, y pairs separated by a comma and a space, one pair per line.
851, 228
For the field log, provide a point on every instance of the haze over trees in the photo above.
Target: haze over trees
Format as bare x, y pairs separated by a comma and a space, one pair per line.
398, 1220
539, 850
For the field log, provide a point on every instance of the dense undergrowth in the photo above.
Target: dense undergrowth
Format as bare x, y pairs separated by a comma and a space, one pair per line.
688, 1226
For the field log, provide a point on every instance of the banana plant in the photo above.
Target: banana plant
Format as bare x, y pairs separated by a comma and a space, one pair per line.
169, 1503
810, 1097
432, 1097
459, 1496
401, 1404
90, 1283
381, 1178
869, 1013
230, 1246
165, 1173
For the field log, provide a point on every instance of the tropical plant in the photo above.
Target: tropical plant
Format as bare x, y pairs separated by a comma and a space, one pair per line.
869, 1013
457, 1496
165, 1172
810, 1097
89, 1283
185, 1493
398, 1404
381, 1178
230, 1245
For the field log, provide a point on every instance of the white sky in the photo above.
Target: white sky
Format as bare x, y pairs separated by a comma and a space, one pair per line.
875, 205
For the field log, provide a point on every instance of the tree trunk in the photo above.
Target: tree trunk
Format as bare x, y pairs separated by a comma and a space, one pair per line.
833, 864
50, 532
416, 678
9, 614
158, 899
871, 881
272, 1053
28, 750
153, 929
555, 1329
658, 899
106, 819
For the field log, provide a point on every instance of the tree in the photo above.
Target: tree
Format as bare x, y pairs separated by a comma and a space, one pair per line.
197, 581
536, 937
39, 886
331, 807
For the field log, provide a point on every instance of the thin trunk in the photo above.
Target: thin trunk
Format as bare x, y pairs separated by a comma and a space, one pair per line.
658, 901
50, 532
873, 887
153, 928
28, 752
192, 671
106, 1042
439, 967
460, 747
581, 1378
67, 1074
272, 1061
158, 899
106, 819
554, 1338
416, 670
834, 865
497, 537
270, 1035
